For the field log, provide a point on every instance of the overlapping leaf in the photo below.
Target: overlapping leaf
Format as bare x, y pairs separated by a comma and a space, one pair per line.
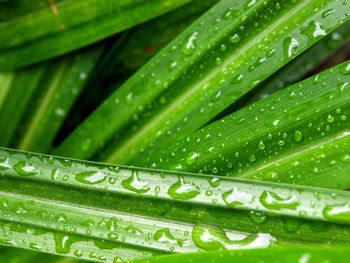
299, 135
63, 26
287, 255
222, 56
100, 212
38, 99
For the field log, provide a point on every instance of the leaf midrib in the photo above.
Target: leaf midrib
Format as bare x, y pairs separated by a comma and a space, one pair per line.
285, 157
135, 138
44, 104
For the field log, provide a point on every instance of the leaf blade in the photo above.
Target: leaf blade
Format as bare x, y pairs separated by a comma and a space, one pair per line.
64, 31
289, 133
175, 208
125, 140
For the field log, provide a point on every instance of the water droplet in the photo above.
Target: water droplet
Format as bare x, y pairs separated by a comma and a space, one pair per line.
61, 218
271, 52
183, 190
192, 158
328, 12
261, 145
281, 143
235, 38
25, 169
82, 75
35, 246
86, 145
215, 170
292, 225
91, 177
4, 164
133, 183
129, 98
330, 118
208, 238
189, 45
164, 236
345, 158
298, 136
134, 230
305, 258
292, 95
218, 61
230, 199
290, 46
63, 243
214, 181
275, 123
112, 224
273, 201
78, 253
257, 217
337, 212
318, 30
223, 47
60, 112
252, 158
345, 69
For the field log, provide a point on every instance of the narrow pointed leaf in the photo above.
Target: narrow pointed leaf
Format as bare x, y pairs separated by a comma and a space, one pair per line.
143, 42
333, 44
54, 96
299, 135
5, 84
103, 212
13, 255
305, 63
219, 58
21, 89
63, 26
287, 255
130, 52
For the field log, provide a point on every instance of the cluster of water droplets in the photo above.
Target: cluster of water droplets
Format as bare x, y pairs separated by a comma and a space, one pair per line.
165, 186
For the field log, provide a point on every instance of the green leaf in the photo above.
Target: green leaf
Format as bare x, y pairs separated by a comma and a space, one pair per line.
38, 99
208, 67
12, 255
11, 9
131, 51
298, 68
281, 254
19, 91
298, 135
305, 63
67, 25
5, 83
63, 81
103, 212
143, 42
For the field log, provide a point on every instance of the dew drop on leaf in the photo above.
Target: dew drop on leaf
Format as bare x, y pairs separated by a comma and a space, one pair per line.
133, 183
290, 46
192, 158
183, 190
189, 45
25, 168
235, 38
273, 201
337, 212
261, 145
298, 136
91, 177
4, 164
